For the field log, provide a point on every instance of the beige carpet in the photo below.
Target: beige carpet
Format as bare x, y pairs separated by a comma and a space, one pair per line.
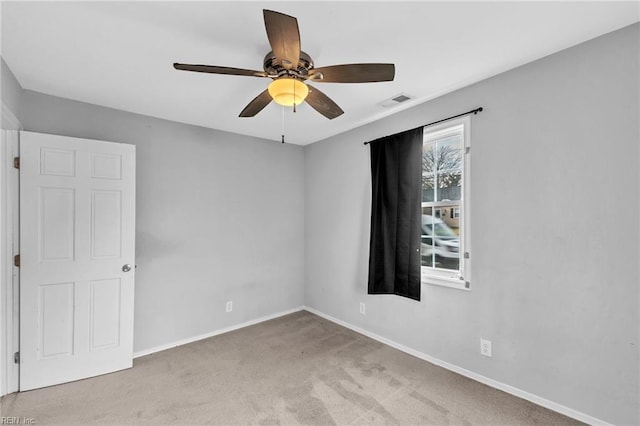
297, 369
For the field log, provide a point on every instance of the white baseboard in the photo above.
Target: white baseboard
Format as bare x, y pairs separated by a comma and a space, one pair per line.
214, 333
569, 412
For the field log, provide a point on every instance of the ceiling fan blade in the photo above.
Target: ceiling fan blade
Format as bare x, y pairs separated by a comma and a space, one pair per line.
219, 70
353, 73
323, 104
257, 104
284, 37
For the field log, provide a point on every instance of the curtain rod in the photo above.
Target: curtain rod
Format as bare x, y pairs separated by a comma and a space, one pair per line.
473, 111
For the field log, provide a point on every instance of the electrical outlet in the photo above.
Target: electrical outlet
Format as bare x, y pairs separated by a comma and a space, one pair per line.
362, 308
229, 306
485, 347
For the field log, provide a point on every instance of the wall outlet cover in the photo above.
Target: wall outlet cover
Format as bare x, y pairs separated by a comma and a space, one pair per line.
485, 347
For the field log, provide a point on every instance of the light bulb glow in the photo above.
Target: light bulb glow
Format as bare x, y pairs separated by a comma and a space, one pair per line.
288, 91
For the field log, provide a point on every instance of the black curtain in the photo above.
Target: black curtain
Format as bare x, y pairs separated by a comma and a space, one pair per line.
396, 218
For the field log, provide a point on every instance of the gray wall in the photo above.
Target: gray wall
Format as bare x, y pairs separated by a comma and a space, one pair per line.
554, 205
219, 217
11, 92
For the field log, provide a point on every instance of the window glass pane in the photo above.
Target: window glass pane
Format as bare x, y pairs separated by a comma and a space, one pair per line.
428, 188
448, 160
449, 186
452, 263
428, 158
440, 239
426, 243
428, 172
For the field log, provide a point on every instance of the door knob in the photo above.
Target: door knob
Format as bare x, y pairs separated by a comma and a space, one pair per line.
126, 268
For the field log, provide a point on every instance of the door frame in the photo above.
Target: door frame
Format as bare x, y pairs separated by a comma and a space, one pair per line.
10, 232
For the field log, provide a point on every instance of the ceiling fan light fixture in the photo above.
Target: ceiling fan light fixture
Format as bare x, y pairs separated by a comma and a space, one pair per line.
288, 91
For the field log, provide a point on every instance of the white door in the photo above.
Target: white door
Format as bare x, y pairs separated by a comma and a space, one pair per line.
77, 230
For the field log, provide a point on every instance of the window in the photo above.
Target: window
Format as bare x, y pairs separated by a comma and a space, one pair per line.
445, 188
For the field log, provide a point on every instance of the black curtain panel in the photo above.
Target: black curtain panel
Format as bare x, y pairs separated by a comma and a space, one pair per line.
394, 254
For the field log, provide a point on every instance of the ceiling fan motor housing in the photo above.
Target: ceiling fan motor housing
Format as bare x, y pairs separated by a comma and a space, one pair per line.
274, 68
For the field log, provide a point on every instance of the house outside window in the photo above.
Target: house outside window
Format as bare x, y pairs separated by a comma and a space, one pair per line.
445, 188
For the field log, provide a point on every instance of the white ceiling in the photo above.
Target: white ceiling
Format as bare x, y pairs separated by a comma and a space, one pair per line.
120, 54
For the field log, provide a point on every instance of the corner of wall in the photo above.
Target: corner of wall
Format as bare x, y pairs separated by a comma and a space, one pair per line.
11, 95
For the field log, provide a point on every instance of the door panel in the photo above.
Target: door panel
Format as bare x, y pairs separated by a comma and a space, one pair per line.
56, 224
57, 162
105, 314
55, 325
106, 224
77, 230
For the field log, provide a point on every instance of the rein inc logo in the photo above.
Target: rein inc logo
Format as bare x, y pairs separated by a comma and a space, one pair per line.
17, 421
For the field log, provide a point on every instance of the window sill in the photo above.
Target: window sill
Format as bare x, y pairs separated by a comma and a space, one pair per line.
445, 282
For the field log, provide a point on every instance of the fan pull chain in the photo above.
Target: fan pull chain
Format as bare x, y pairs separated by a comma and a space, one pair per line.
294, 96
283, 124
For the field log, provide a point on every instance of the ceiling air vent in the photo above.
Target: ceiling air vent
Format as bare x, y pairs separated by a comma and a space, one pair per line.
395, 100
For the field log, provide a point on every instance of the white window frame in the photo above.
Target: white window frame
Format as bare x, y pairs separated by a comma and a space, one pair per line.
460, 279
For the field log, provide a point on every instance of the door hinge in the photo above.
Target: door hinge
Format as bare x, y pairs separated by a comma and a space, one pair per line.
16, 260
16, 162
16, 358
467, 150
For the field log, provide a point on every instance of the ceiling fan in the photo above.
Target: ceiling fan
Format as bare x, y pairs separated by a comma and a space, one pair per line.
289, 67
